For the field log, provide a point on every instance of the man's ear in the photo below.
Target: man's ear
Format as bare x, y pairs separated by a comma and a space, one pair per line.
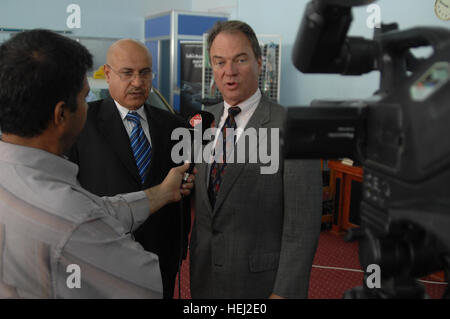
60, 114
107, 72
259, 61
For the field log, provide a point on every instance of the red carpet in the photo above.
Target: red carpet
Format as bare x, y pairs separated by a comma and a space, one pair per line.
185, 290
335, 270
333, 251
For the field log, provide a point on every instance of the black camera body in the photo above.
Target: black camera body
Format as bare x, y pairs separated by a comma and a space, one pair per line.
401, 137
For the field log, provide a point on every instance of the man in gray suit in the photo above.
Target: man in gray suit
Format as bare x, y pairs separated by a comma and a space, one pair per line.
254, 234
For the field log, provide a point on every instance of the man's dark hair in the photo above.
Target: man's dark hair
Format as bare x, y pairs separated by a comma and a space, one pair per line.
234, 26
38, 69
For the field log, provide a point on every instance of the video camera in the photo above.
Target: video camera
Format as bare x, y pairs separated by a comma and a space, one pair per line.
401, 137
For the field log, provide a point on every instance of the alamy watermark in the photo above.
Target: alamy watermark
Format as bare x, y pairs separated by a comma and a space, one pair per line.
252, 146
74, 19
374, 18
374, 279
74, 279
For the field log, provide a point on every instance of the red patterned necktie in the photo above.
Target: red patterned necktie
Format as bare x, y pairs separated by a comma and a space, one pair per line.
218, 168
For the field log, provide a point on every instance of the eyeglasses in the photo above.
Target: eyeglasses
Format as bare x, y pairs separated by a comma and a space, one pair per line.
145, 74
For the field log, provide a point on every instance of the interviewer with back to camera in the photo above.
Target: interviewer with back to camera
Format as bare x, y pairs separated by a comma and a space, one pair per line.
47, 220
254, 234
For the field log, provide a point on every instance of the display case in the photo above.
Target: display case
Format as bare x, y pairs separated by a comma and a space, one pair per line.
164, 34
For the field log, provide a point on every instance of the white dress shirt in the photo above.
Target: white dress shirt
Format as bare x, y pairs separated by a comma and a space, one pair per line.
248, 107
129, 125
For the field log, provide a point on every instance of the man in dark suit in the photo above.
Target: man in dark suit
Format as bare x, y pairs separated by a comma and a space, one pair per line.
255, 234
126, 146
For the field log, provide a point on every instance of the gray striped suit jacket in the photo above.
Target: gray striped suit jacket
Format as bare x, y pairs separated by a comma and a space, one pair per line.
262, 234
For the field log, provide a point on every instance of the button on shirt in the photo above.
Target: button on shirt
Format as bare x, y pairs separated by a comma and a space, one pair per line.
57, 240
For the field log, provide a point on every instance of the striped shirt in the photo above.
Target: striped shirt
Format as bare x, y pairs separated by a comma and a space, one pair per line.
57, 240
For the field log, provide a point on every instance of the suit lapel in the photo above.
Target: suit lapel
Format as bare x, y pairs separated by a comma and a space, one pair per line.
111, 127
157, 131
233, 171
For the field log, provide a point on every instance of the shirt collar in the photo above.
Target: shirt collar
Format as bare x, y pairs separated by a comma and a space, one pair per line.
41, 160
124, 111
246, 105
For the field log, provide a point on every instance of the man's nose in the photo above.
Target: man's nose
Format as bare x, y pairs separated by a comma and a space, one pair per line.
230, 68
137, 80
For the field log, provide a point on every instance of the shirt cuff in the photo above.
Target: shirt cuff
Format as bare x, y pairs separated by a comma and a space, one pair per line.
139, 206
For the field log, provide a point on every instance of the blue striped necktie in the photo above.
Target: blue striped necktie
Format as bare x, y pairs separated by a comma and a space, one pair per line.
140, 145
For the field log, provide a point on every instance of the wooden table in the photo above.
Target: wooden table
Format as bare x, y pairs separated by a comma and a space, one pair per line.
345, 187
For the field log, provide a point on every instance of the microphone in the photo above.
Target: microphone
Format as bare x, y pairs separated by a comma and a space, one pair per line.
201, 120
198, 123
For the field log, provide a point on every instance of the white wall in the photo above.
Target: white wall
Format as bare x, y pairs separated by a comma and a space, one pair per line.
229, 7
152, 7
111, 19
99, 18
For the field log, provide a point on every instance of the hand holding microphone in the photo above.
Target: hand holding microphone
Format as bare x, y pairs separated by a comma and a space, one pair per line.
172, 189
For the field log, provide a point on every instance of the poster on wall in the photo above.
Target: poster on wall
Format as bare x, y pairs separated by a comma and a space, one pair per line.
190, 77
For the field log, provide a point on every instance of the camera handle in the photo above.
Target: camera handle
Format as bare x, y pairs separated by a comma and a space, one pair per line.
396, 59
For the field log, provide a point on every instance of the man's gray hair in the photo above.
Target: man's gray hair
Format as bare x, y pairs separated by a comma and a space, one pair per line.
234, 26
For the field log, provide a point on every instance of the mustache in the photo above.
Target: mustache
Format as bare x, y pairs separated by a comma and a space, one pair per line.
136, 90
